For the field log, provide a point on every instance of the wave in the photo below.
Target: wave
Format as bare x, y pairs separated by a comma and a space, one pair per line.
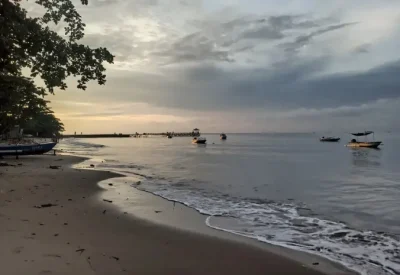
284, 224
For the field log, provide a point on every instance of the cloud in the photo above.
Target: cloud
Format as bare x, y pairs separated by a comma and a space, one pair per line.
193, 47
363, 48
239, 63
303, 40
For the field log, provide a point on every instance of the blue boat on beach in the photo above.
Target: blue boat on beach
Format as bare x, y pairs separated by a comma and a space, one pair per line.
26, 149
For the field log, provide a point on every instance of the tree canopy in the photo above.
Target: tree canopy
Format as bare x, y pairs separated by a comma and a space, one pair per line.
30, 43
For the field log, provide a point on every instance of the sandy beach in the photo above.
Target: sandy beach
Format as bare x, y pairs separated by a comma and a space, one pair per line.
60, 221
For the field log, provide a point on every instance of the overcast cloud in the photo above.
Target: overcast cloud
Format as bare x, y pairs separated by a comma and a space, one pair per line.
240, 66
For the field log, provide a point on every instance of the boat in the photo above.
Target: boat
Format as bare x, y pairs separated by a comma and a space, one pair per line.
222, 136
329, 139
199, 140
26, 148
365, 144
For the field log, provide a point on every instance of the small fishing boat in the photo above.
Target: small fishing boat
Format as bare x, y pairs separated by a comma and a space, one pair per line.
26, 148
199, 140
329, 139
222, 136
365, 144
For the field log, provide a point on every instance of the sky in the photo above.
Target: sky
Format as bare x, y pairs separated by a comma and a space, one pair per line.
239, 66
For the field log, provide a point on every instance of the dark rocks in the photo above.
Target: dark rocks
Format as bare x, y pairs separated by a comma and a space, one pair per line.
316, 263
110, 184
54, 167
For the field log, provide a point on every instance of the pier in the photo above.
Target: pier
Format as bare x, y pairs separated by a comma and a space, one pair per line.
97, 136
194, 133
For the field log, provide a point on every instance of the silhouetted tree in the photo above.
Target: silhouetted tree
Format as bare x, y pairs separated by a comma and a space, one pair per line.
29, 43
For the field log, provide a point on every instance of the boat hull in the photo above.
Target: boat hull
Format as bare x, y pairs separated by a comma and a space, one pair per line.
329, 139
199, 141
26, 149
371, 144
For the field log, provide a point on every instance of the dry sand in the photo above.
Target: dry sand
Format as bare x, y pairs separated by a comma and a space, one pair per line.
79, 233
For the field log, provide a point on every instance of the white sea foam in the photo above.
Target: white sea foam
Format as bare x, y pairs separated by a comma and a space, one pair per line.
367, 252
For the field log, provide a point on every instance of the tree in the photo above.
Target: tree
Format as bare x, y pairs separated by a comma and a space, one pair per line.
27, 42
20, 101
30, 43
44, 125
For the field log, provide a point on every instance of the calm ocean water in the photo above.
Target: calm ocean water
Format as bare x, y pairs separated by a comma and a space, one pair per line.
285, 189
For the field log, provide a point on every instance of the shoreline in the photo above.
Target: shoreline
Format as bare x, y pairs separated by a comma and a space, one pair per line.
165, 212
83, 234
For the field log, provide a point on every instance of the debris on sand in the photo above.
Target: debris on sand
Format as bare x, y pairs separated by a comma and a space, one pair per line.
110, 184
81, 250
54, 167
45, 205
157, 211
104, 211
3, 163
107, 201
92, 165
115, 258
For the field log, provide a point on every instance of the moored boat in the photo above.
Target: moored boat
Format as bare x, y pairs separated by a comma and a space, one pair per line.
365, 144
199, 140
329, 139
26, 148
222, 136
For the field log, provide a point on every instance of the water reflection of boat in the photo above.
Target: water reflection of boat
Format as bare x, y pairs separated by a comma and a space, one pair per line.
222, 136
365, 144
364, 157
199, 140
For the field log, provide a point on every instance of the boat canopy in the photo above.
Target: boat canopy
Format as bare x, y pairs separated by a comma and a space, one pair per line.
366, 133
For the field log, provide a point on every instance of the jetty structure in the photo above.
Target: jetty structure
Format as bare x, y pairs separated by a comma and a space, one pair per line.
194, 133
120, 135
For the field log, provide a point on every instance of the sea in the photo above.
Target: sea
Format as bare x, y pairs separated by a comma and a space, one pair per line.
288, 190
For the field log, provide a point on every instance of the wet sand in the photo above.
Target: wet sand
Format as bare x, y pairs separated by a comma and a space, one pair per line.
59, 221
